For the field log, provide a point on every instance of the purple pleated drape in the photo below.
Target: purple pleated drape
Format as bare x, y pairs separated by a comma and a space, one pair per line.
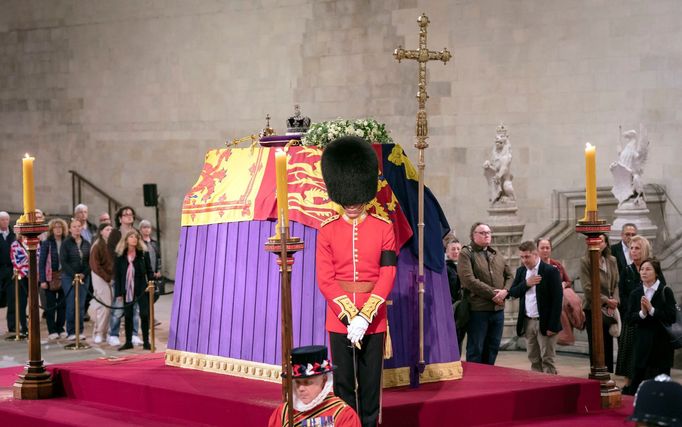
227, 298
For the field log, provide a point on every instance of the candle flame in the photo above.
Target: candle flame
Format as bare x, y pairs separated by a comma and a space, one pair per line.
26, 156
588, 145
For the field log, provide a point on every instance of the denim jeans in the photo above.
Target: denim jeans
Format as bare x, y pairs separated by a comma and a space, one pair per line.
116, 316
55, 317
67, 286
484, 336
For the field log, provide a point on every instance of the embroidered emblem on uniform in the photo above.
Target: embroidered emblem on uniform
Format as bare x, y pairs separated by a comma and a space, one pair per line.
371, 307
327, 421
330, 219
348, 309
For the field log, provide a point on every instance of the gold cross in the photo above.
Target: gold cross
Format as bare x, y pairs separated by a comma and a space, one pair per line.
422, 55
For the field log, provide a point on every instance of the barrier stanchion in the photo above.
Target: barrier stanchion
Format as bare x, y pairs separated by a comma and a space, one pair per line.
151, 288
17, 326
77, 281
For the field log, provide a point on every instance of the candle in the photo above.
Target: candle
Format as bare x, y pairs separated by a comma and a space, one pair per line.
590, 178
282, 190
29, 187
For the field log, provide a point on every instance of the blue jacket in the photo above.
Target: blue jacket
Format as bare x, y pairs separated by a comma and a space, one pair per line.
49, 244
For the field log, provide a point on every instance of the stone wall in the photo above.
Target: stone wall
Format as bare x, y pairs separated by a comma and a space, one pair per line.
130, 92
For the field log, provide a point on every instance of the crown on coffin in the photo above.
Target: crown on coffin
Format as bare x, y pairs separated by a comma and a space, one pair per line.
298, 123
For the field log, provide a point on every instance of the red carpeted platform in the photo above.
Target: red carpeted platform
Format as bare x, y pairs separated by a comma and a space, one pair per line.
141, 390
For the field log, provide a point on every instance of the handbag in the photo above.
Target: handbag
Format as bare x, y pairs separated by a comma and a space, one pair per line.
674, 330
55, 283
54, 278
608, 319
615, 328
462, 310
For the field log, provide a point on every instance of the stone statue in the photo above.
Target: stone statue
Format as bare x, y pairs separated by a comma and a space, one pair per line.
628, 169
297, 123
497, 171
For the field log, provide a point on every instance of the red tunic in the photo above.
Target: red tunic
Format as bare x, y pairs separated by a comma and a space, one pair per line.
331, 407
352, 253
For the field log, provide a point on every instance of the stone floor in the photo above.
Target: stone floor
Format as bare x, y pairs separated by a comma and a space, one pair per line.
15, 353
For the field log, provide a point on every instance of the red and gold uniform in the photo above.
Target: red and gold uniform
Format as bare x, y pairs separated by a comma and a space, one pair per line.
331, 409
356, 268
350, 273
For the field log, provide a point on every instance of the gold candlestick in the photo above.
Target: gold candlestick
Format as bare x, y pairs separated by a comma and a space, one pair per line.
592, 227
35, 382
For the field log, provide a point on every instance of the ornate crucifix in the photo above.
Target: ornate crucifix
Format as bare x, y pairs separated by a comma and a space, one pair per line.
422, 56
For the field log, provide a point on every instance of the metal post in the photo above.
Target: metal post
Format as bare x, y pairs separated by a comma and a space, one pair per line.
77, 281
151, 288
17, 334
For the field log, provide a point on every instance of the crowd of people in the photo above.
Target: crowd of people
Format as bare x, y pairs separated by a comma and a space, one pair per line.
110, 264
635, 302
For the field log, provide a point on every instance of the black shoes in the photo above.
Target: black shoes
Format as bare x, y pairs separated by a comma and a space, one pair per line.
146, 345
127, 346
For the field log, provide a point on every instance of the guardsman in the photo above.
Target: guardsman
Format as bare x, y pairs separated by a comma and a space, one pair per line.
356, 266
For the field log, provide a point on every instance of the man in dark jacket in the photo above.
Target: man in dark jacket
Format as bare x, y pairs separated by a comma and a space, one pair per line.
538, 286
485, 274
621, 250
6, 238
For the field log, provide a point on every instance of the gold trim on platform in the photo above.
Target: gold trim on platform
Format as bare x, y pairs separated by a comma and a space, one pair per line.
433, 372
224, 365
394, 377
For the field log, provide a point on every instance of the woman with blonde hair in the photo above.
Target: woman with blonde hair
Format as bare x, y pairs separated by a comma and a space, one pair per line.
640, 249
132, 270
49, 271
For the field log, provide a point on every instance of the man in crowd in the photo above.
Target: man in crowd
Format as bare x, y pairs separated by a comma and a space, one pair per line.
621, 250
314, 401
6, 238
89, 230
104, 218
485, 274
538, 286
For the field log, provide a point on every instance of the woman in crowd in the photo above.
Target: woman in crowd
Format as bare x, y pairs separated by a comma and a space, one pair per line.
452, 250
545, 251
102, 265
19, 256
608, 279
74, 256
123, 220
154, 253
651, 305
49, 271
640, 249
132, 270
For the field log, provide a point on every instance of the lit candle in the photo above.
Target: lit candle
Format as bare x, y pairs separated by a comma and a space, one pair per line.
29, 187
590, 178
282, 191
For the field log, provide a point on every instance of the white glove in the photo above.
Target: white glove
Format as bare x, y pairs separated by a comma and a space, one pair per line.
357, 328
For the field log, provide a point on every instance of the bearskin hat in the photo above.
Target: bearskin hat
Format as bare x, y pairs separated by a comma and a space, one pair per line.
350, 170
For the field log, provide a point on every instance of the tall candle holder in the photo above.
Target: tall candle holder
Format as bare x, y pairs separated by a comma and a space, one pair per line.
35, 382
284, 247
592, 227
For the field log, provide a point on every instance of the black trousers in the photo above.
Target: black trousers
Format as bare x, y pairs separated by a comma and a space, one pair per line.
608, 341
367, 367
129, 312
23, 299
